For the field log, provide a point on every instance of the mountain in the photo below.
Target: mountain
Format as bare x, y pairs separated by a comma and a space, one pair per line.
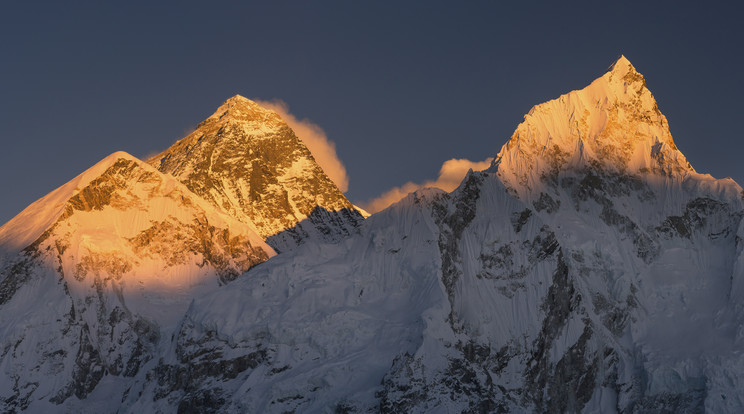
590, 268
119, 253
247, 161
96, 271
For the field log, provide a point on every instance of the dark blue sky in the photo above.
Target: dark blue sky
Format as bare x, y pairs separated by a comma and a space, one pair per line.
400, 87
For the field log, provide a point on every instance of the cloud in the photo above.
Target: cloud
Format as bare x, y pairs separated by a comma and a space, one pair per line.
450, 176
315, 139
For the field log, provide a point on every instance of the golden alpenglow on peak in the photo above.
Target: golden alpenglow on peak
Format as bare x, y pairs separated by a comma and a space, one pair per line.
247, 161
612, 125
622, 66
242, 109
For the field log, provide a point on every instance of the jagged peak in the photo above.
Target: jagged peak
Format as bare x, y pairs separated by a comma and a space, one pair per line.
248, 161
622, 75
238, 98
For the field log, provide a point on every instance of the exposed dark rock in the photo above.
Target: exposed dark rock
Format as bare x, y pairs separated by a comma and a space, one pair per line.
547, 203
697, 214
87, 371
572, 383
560, 302
13, 277
520, 219
452, 224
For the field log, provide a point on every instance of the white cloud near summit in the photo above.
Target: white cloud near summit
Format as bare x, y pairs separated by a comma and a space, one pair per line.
450, 176
315, 139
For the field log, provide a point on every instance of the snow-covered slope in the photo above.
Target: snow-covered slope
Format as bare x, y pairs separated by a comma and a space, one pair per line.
104, 266
589, 269
247, 161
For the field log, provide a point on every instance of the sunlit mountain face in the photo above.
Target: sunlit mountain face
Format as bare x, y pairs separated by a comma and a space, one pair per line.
245, 160
590, 269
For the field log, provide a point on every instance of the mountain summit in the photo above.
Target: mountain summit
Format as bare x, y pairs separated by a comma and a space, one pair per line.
247, 161
241, 109
590, 269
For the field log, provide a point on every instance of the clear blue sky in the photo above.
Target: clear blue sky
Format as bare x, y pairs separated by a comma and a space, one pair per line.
400, 87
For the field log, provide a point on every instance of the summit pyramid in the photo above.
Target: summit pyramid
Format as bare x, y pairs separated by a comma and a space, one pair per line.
247, 161
612, 125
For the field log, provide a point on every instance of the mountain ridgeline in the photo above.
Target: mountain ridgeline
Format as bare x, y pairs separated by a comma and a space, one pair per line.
590, 268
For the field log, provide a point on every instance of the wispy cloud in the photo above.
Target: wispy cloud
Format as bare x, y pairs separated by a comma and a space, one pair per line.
450, 176
315, 139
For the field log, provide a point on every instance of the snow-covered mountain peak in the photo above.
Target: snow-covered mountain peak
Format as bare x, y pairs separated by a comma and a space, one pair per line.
612, 125
247, 161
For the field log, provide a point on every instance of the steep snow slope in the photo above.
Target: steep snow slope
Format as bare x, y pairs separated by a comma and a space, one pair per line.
117, 255
589, 269
247, 161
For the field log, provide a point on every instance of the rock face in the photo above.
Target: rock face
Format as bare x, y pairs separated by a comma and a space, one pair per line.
589, 269
246, 160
